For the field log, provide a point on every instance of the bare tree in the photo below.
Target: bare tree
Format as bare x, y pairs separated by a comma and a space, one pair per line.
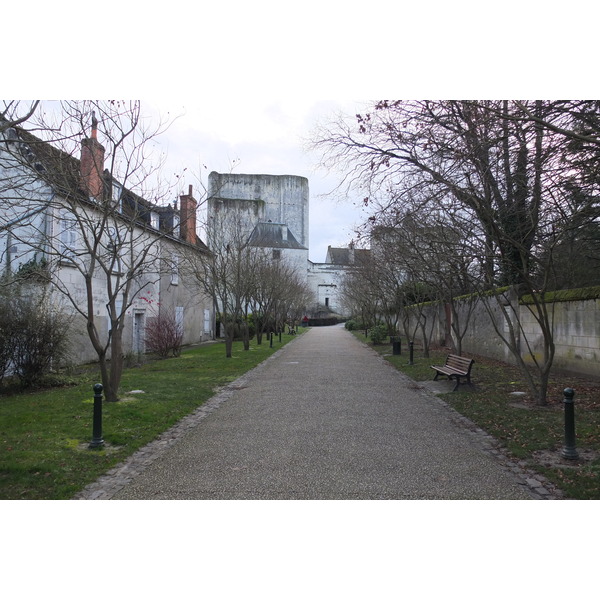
224, 272
94, 221
297, 297
433, 262
277, 290
244, 279
365, 291
494, 169
15, 112
292, 294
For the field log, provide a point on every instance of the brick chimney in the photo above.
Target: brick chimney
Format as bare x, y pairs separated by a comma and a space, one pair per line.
92, 163
188, 217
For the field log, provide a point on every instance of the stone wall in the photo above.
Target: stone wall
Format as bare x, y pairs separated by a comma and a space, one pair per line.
576, 332
576, 335
481, 336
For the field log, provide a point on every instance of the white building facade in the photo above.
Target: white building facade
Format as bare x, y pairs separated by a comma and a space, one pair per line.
53, 219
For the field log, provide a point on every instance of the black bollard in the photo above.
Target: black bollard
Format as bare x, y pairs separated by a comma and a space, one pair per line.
397, 346
569, 451
280, 336
271, 340
97, 441
410, 348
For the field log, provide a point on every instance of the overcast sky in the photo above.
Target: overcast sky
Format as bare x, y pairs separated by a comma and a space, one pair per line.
250, 79
259, 136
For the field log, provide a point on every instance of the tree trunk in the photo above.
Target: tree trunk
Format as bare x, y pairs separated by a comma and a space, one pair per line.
246, 336
116, 366
104, 373
423, 326
229, 333
542, 396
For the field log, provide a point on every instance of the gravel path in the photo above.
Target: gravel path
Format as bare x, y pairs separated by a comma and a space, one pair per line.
323, 418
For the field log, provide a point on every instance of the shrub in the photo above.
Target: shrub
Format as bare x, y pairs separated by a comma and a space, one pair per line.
322, 321
352, 325
163, 335
35, 336
378, 334
33, 271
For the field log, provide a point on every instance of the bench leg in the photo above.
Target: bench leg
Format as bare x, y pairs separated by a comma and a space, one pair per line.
457, 383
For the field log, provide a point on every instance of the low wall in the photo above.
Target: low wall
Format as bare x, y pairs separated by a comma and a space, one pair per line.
576, 328
576, 335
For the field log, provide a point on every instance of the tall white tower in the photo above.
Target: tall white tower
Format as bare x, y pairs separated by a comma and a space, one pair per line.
275, 198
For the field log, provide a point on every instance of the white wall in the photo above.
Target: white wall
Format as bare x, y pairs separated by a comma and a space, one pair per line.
325, 279
286, 197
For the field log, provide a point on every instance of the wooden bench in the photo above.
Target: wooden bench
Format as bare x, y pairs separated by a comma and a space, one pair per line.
455, 368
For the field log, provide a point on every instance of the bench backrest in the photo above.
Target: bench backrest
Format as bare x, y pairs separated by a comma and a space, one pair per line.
460, 363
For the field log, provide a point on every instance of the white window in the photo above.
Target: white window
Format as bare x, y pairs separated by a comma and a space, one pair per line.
175, 269
206, 320
68, 238
179, 319
154, 220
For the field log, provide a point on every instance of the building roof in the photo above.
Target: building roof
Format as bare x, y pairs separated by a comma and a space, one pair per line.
62, 172
274, 235
345, 256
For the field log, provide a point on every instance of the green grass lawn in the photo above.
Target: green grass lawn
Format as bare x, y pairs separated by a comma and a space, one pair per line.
529, 432
44, 435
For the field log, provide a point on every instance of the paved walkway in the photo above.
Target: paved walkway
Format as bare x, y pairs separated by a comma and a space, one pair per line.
325, 417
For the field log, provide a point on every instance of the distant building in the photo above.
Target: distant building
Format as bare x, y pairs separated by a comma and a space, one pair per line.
272, 211
326, 278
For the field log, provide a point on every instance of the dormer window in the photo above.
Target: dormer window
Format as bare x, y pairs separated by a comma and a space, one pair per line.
154, 220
